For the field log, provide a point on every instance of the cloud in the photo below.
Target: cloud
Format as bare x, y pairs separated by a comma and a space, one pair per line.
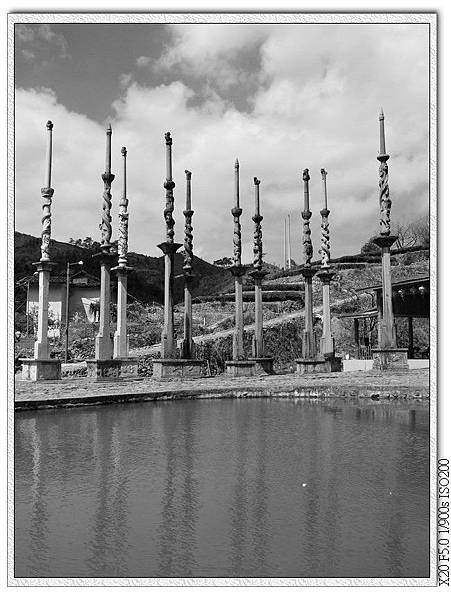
125, 79
143, 61
316, 105
45, 33
40, 41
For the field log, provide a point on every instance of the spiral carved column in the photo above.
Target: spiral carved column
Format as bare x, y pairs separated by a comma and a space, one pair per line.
308, 339
237, 271
120, 345
103, 341
264, 365
387, 356
41, 366
188, 256
326, 274
311, 361
169, 248
44, 266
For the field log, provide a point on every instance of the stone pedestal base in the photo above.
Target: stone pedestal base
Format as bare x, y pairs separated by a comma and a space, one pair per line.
390, 359
186, 368
334, 364
264, 365
311, 365
113, 368
40, 369
240, 368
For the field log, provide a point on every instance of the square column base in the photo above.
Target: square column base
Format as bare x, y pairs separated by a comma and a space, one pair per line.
334, 364
112, 368
240, 368
263, 365
40, 369
311, 365
390, 359
185, 368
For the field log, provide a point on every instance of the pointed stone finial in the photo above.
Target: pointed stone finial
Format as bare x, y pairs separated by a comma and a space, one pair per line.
237, 164
381, 116
109, 131
167, 137
124, 151
49, 125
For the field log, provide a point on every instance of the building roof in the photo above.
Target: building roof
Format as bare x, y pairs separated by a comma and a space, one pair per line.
371, 312
404, 283
91, 282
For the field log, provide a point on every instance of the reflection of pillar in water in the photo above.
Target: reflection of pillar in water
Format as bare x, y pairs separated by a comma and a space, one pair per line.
39, 533
190, 494
238, 550
260, 529
110, 542
168, 529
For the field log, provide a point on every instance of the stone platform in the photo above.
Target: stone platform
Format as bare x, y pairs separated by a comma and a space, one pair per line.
334, 363
311, 365
397, 388
264, 365
39, 369
320, 364
186, 368
113, 368
390, 359
240, 368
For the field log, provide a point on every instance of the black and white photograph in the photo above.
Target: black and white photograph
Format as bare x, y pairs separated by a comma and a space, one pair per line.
222, 279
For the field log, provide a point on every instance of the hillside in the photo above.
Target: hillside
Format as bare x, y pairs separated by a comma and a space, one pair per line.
145, 283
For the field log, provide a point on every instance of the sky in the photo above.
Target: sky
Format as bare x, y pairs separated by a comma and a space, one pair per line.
280, 98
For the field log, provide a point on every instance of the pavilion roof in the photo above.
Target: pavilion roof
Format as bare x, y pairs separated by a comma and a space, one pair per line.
404, 283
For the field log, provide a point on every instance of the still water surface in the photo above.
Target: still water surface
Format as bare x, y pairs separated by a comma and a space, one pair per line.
230, 488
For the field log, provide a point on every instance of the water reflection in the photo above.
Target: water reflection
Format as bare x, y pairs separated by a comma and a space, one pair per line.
249, 488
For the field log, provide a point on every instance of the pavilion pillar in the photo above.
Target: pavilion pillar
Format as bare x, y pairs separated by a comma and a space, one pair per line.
357, 336
387, 356
263, 363
410, 330
41, 366
238, 366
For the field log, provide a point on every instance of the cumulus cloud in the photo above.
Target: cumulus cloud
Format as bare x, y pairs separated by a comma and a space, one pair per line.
316, 105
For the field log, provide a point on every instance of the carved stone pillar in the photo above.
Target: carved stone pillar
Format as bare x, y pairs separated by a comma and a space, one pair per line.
42, 367
238, 365
387, 356
188, 344
310, 362
171, 365
169, 248
264, 364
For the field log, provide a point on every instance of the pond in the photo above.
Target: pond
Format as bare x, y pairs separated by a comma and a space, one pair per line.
222, 488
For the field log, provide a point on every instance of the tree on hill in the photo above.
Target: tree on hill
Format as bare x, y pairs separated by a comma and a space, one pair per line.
370, 247
223, 262
409, 235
